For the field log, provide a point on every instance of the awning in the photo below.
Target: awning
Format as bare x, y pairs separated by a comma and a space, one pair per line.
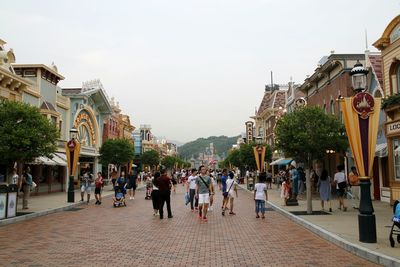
381, 150
43, 161
281, 161
58, 160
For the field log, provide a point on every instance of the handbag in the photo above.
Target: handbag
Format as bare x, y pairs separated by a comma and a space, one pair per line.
33, 185
227, 192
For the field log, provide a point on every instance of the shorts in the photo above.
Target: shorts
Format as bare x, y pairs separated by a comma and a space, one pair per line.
204, 198
260, 205
131, 186
340, 192
97, 190
87, 189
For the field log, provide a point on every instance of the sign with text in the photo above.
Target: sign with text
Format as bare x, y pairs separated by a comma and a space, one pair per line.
393, 128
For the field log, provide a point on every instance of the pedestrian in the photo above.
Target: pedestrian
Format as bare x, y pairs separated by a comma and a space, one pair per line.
86, 184
98, 187
26, 185
174, 183
184, 175
114, 176
341, 185
224, 177
131, 184
302, 179
231, 190
285, 189
155, 198
122, 183
269, 179
260, 195
191, 190
14, 177
210, 208
294, 179
354, 183
324, 189
203, 191
164, 185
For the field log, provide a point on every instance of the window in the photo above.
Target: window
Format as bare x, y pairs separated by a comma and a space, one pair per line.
59, 126
396, 90
324, 108
396, 158
332, 107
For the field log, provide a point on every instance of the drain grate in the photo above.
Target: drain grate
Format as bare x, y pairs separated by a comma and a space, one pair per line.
317, 212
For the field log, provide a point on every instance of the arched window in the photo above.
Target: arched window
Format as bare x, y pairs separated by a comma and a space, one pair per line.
332, 107
324, 108
396, 90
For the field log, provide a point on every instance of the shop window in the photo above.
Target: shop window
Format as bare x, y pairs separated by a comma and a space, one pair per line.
396, 158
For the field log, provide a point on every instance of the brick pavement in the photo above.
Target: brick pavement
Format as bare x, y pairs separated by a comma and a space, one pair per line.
132, 236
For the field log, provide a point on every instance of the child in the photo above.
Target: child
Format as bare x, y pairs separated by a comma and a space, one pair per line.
260, 195
99, 186
285, 191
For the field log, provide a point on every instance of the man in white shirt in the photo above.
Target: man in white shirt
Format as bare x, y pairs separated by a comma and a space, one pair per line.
191, 189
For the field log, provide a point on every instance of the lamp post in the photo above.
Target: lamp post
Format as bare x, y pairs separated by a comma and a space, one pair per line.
72, 149
329, 152
361, 118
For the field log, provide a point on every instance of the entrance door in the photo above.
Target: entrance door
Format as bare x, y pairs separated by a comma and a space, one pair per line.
377, 189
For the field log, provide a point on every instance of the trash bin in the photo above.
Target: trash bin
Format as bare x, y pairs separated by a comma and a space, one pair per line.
3, 201
12, 201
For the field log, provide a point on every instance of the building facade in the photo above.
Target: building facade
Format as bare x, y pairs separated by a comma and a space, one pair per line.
90, 107
389, 45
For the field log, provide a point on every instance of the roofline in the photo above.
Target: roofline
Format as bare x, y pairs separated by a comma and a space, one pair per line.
39, 66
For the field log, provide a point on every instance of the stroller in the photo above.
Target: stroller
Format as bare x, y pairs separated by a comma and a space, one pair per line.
119, 197
396, 224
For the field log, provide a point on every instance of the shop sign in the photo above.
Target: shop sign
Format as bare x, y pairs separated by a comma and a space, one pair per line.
393, 128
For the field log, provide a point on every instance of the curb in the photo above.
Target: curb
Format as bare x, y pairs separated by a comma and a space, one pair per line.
49, 211
358, 250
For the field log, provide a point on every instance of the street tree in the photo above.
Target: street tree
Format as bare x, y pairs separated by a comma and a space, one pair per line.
170, 161
116, 152
244, 156
306, 134
25, 133
151, 158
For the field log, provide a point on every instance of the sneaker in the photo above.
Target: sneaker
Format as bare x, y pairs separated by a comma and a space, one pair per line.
258, 216
263, 217
232, 213
170, 217
205, 219
133, 198
210, 209
99, 202
223, 213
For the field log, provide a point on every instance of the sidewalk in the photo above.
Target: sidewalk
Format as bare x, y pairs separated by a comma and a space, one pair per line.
54, 202
341, 227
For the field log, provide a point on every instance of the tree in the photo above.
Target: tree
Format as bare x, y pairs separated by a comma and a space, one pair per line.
117, 152
244, 156
25, 133
169, 161
151, 158
306, 134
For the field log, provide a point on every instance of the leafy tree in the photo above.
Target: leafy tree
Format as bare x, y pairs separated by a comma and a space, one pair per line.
244, 156
25, 133
306, 134
170, 161
117, 152
151, 158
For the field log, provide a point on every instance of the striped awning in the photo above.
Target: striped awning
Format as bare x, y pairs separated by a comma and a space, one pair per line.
281, 161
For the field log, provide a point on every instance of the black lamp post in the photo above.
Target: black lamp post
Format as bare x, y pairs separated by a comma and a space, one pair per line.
366, 216
73, 133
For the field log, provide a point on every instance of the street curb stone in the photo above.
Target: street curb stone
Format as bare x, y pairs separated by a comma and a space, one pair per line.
49, 211
358, 250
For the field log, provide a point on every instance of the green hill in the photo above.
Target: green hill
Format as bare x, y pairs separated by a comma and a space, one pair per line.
221, 144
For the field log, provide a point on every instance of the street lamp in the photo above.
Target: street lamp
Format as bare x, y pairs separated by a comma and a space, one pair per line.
72, 149
366, 216
329, 152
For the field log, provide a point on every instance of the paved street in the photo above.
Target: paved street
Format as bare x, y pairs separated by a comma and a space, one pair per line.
131, 236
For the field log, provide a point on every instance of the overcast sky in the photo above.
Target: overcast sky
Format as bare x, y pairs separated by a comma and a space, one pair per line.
189, 68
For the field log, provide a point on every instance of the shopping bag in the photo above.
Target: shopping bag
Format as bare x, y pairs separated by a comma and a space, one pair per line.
187, 198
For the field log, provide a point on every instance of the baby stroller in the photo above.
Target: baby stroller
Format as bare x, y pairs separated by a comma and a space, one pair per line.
119, 198
396, 224
149, 188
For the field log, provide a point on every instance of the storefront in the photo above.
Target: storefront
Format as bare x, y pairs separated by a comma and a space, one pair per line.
389, 45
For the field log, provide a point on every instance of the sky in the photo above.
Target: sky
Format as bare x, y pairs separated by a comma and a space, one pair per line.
189, 68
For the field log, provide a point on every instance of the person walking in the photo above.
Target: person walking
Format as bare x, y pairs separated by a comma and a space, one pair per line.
131, 184
26, 186
354, 183
324, 189
164, 185
224, 177
86, 184
260, 195
98, 187
155, 196
231, 190
269, 179
191, 190
14, 177
294, 177
203, 191
341, 185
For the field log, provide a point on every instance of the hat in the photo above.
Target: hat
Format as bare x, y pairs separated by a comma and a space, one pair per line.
293, 163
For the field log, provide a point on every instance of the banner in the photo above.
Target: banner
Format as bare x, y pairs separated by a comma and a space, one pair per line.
72, 149
361, 119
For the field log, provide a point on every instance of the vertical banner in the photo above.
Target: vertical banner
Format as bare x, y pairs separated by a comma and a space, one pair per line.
72, 150
259, 155
249, 131
361, 119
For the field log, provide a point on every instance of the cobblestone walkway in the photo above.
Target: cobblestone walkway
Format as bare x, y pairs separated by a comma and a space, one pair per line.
132, 236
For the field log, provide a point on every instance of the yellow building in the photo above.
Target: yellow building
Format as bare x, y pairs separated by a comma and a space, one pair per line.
389, 45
